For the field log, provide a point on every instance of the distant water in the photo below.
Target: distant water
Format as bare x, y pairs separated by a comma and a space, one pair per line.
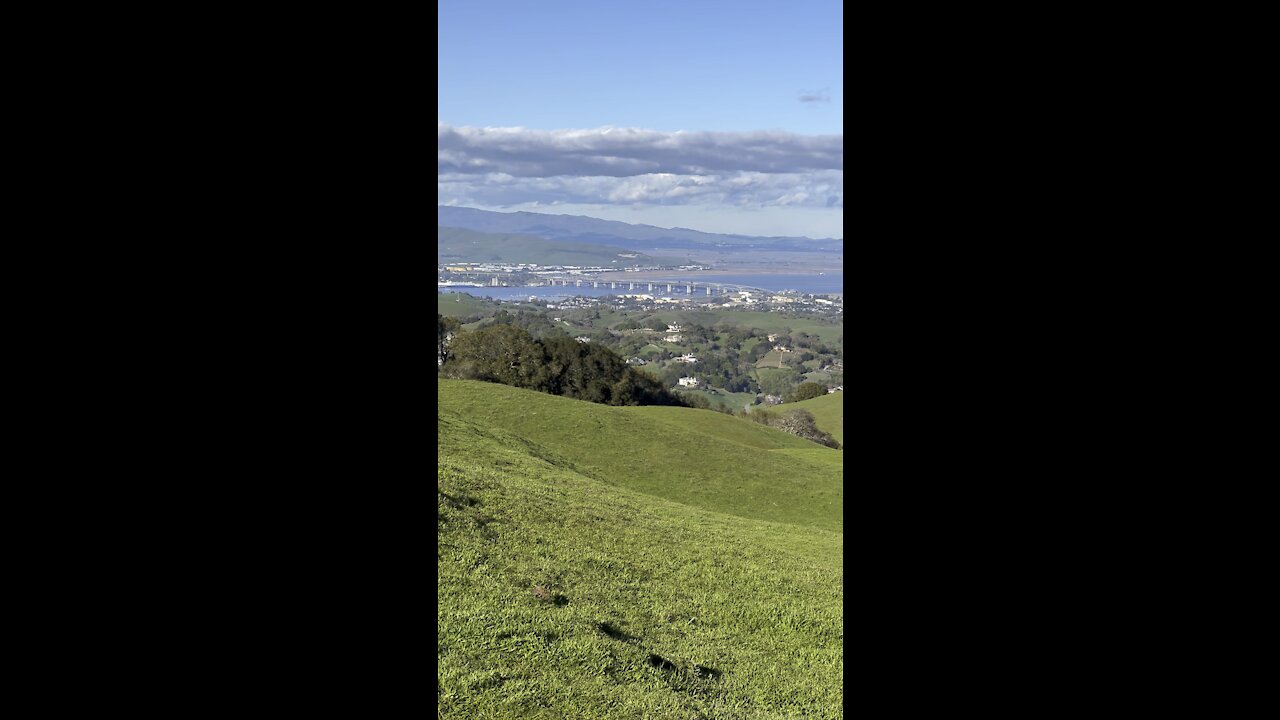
816, 284
544, 292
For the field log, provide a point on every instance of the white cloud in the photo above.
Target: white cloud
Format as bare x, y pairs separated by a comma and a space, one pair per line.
621, 152
742, 189
510, 167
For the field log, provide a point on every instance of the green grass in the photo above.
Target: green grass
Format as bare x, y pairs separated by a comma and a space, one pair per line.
701, 458
773, 357
764, 374
828, 413
555, 588
767, 321
815, 456
454, 304
821, 377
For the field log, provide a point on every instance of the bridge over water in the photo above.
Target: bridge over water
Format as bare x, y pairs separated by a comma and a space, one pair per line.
659, 287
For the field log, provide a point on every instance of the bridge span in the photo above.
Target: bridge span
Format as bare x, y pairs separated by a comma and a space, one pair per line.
660, 287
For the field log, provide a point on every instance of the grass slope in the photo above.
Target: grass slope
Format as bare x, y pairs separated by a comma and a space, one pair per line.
828, 413
560, 596
459, 245
461, 304
701, 458
776, 360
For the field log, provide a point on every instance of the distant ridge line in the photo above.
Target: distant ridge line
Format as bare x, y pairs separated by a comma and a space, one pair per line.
636, 237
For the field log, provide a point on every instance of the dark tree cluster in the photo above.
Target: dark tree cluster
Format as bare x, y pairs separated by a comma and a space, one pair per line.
445, 329
805, 391
724, 369
555, 364
536, 324
759, 351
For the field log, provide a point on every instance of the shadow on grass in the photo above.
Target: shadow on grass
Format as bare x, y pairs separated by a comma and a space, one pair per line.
660, 662
615, 633
708, 673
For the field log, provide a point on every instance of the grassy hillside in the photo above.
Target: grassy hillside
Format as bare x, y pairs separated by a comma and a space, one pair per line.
458, 245
701, 458
776, 360
456, 304
828, 413
562, 596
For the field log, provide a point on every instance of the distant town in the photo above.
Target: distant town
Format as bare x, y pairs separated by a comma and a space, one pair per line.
639, 294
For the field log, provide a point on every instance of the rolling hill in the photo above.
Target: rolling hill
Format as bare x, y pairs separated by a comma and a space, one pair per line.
565, 591
462, 245
701, 458
460, 304
579, 228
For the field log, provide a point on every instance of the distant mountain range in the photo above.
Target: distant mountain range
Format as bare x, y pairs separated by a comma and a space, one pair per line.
582, 229
459, 245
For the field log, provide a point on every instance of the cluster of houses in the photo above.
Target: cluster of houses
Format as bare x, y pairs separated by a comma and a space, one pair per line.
673, 335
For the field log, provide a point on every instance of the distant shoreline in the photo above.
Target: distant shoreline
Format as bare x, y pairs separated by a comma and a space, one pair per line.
661, 275
710, 275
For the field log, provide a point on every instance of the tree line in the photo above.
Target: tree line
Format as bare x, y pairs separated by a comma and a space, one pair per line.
559, 365
556, 364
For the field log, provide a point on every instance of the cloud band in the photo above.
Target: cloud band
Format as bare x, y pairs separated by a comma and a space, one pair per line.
504, 166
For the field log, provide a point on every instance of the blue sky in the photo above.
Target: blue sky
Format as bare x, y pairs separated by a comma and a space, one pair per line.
705, 79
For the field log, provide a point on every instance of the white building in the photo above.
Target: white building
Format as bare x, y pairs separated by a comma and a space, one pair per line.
688, 381
687, 359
